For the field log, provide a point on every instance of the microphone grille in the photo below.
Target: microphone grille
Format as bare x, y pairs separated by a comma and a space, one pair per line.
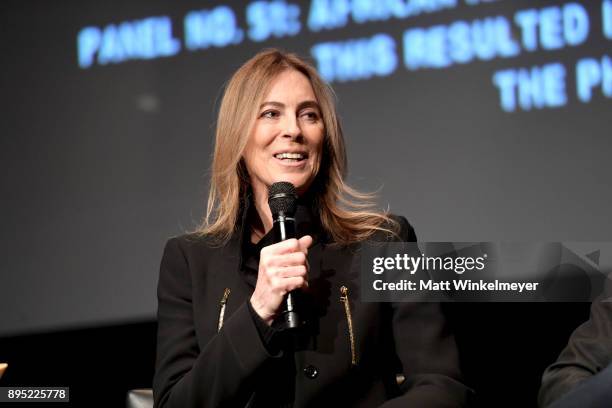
282, 197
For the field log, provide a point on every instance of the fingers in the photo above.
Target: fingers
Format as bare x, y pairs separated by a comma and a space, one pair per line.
282, 286
305, 242
277, 274
295, 258
283, 267
284, 247
292, 271
294, 283
289, 246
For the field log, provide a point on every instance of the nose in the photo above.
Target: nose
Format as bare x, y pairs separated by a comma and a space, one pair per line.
291, 127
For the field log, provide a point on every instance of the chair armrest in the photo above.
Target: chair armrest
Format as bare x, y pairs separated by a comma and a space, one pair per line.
140, 398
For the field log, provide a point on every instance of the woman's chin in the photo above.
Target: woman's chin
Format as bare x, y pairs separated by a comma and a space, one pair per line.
301, 185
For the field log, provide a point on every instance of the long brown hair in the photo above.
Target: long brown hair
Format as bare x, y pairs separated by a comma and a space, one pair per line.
346, 214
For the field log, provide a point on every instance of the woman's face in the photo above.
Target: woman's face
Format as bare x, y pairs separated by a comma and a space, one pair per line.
287, 138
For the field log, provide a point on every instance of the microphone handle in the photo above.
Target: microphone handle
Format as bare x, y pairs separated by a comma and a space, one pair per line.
284, 228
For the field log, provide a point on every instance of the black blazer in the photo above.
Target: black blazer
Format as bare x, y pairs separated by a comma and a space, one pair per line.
200, 365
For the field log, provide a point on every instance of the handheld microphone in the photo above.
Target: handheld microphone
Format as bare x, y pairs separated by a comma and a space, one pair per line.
282, 199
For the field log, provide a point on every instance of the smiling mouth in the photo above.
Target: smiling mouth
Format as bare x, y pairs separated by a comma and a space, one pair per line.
291, 157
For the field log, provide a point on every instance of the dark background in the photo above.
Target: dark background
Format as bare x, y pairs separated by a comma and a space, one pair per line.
102, 165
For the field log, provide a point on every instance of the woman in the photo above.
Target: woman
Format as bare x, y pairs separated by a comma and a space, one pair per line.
221, 288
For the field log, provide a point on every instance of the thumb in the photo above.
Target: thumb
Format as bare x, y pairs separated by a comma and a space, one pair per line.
305, 242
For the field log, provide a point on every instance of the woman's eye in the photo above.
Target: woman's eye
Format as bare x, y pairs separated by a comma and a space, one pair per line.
311, 115
269, 114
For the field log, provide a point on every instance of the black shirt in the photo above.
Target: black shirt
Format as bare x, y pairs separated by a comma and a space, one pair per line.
279, 344
305, 225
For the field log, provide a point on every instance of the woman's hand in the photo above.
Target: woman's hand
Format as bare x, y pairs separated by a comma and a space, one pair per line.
282, 268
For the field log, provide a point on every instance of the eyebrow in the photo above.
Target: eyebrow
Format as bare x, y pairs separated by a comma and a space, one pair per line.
302, 105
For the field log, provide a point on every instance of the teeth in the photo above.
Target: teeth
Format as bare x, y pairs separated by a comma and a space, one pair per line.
296, 156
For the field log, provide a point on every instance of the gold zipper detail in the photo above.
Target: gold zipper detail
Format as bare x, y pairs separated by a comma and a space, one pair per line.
223, 302
349, 321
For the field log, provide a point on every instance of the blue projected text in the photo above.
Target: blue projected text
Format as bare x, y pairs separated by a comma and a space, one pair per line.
606, 16
485, 39
554, 27
216, 28
330, 14
356, 59
272, 19
533, 88
592, 74
460, 42
142, 39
